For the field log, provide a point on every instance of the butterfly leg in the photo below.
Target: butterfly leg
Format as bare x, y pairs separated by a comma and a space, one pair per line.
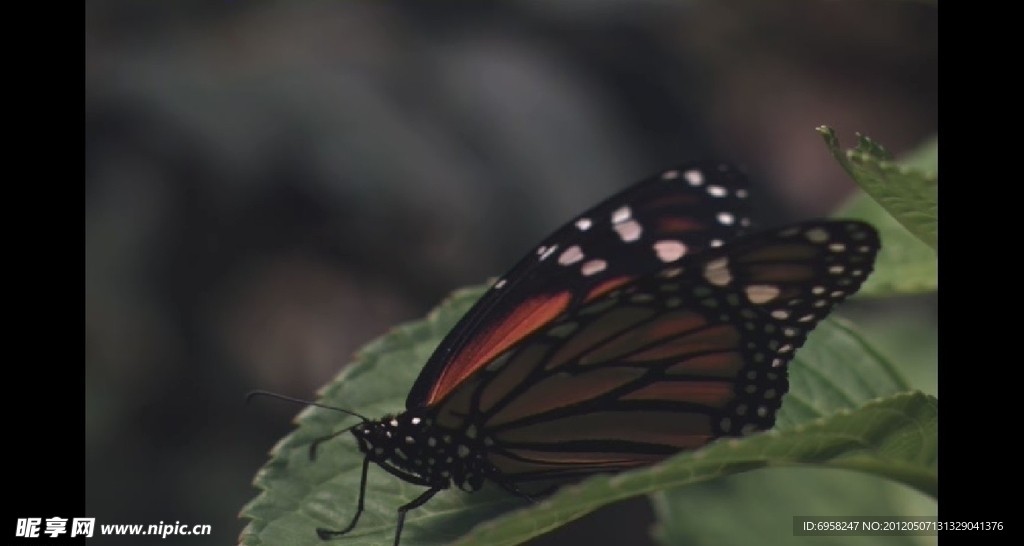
417, 502
326, 534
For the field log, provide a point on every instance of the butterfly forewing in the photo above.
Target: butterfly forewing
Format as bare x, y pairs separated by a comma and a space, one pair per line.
657, 222
666, 362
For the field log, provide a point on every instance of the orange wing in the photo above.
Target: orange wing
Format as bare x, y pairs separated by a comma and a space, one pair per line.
499, 337
660, 221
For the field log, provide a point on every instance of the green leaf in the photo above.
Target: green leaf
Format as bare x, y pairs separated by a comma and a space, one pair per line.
706, 514
909, 193
925, 158
905, 265
836, 370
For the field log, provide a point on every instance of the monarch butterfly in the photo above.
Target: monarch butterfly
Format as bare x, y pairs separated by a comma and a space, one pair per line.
650, 324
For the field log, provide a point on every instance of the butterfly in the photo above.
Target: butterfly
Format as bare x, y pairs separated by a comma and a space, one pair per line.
653, 323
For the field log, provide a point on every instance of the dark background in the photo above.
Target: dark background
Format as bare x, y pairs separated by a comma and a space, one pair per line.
270, 185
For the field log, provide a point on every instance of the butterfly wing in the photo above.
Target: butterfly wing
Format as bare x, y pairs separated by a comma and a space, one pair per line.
658, 221
665, 362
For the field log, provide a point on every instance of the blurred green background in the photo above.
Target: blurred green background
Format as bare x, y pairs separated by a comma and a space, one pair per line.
270, 185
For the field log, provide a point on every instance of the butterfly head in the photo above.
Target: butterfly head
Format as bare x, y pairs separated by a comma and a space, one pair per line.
390, 436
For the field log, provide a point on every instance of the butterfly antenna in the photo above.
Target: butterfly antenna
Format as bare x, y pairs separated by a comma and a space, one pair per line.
254, 394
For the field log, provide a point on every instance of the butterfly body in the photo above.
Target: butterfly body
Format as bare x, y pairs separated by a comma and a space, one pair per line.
412, 446
653, 323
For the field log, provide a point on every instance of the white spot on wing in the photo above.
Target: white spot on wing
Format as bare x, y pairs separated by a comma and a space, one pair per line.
717, 272
583, 224
593, 267
742, 193
547, 253
571, 255
629, 230
669, 250
761, 293
670, 175
694, 177
816, 235
500, 284
780, 314
715, 243
716, 191
621, 215
726, 218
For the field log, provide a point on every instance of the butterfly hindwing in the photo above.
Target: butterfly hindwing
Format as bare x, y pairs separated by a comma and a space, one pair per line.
658, 221
668, 361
